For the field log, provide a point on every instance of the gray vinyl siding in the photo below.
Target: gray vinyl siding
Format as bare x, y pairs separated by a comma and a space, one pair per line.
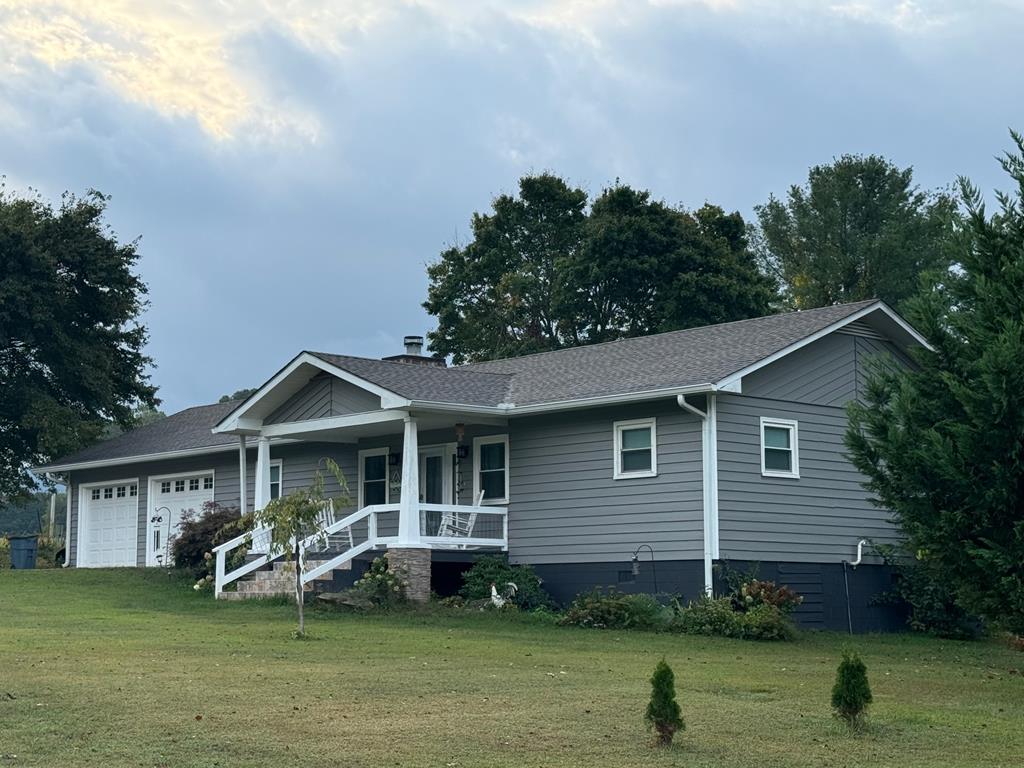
565, 506
823, 373
299, 462
324, 396
831, 371
818, 517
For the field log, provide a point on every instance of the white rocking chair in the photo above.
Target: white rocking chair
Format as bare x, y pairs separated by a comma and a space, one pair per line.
460, 525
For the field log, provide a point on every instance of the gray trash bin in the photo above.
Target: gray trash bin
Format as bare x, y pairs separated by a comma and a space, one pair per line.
23, 551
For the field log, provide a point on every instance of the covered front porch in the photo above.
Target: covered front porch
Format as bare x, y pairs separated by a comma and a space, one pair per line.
421, 481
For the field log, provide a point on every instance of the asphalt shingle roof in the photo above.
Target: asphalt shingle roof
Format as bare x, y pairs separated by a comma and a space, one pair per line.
184, 430
666, 360
427, 382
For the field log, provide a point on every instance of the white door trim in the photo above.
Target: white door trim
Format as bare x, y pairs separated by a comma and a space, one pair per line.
81, 562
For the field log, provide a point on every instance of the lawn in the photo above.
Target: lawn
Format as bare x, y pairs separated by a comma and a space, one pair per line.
130, 668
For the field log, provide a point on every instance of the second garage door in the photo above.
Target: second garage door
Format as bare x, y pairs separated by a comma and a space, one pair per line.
109, 520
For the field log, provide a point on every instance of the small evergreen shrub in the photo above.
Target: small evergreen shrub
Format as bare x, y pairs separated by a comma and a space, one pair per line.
851, 693
612, 609
198, 533
380, 586
495, 569
663, 713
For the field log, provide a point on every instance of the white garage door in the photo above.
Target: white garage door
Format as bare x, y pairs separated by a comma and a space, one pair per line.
109, 520
170, 498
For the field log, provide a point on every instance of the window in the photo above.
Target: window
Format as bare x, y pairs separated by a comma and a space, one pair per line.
373, 478
121, 491
179, 486
193, 484
779, 450
165, 486
275, 480
133, 490
108, 493
636, 453
95, 494
490, 464
207, 483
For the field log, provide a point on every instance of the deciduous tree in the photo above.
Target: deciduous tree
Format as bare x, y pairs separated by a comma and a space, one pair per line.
71, 342
858, 229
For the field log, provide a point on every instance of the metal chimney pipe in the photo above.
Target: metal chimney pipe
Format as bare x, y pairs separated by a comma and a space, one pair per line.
414, 345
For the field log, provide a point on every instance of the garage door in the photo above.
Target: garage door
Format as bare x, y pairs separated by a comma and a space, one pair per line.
109, 519
171, 498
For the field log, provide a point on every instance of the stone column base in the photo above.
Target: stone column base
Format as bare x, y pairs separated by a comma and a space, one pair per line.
416, 565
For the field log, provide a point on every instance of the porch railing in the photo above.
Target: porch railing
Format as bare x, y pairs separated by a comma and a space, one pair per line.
442, 526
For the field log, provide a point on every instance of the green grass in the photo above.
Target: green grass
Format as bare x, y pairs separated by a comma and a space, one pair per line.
131, 668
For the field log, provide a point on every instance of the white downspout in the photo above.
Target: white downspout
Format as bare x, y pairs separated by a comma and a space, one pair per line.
709, 456
67, 520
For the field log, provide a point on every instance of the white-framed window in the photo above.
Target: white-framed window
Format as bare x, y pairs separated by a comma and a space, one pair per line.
121, 491
108, 492
179, 486
780, 454
95, 494
276, 468
636, 449
133, 490
193, 484
373, 476
207, 483
165, 486
490, 468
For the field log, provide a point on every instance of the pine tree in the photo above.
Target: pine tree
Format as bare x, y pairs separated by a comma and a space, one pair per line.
663, 712
851, 693
942, 444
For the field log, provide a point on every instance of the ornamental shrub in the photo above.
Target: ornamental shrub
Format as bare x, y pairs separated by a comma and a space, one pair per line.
663, 713
851, 693
758, 592
380, 586
719, 617
198, 533
495, 569
612, 609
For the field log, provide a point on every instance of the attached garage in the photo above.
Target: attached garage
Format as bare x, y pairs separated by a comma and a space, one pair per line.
108, 528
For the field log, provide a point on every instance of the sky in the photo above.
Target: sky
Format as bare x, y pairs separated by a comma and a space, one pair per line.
290, 168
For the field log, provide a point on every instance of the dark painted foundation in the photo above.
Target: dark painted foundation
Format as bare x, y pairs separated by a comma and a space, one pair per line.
822, 585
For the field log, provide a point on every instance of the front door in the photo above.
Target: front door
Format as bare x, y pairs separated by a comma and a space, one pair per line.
435, 482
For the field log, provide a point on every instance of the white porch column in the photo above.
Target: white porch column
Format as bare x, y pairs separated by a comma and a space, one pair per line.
243, 490
409, 507
262, 495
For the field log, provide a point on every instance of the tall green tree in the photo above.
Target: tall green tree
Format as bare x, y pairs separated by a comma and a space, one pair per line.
942, 445
500, 295
858, 229
545, 271
71, 343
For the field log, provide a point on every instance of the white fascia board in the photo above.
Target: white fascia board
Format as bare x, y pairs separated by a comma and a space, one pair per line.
733, 380
591, 402
231, 422
331, 422
162, 456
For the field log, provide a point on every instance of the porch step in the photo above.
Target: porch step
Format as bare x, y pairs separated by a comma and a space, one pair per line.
277, 582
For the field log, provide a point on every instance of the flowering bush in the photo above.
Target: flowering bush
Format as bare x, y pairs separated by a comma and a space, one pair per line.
381, 586
757, 592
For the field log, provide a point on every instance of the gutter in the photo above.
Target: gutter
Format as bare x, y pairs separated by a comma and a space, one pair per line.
709, 463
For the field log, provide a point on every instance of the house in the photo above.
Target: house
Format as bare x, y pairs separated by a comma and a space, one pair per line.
637, 463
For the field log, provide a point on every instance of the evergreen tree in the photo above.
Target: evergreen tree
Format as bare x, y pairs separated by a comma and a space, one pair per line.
663, 713
942, 445
851, 693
